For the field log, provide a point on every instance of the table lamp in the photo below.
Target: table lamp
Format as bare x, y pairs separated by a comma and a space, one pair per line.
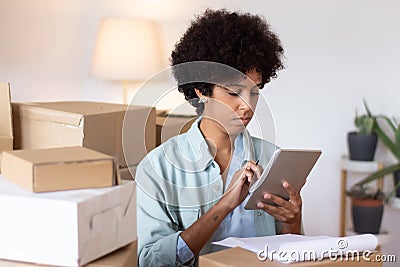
126, 50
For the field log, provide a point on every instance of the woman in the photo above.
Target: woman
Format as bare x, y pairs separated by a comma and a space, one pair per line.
192, 189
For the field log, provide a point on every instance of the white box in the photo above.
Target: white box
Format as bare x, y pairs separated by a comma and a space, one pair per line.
65, 228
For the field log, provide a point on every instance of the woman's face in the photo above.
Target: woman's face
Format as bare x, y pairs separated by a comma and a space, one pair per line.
233, 105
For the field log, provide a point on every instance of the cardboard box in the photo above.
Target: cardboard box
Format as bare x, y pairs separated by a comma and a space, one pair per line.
6, 143
123, 257
98, 126
128, 173
235, 257
62, 168
6, 131
65, 228
171, 126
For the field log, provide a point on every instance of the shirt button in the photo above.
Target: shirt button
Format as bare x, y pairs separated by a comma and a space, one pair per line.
258, 213
215, 187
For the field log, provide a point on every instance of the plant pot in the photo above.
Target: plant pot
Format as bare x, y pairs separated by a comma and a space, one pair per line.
367, 215
361, 146
396, 178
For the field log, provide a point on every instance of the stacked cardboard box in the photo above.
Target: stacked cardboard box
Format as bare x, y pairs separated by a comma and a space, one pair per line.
60, 144
66, 228
99, 126
6, 132
62, 168
128, 173
166, 127
170, 126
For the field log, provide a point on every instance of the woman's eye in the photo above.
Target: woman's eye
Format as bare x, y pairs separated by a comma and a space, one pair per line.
233, 93
255, 93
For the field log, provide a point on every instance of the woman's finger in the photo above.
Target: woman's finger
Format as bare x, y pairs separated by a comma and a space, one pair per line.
278, 200
293, 194
241, 176
277, 212
257, 169
249, 175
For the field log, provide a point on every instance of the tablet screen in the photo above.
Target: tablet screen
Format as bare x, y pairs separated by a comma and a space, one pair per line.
291, 165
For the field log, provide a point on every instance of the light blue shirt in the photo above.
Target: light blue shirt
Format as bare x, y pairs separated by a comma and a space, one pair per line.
238, 223
177, 183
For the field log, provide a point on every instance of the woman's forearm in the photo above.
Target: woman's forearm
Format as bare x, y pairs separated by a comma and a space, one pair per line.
197, 235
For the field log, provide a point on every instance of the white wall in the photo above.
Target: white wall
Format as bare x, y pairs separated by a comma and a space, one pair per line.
338, 52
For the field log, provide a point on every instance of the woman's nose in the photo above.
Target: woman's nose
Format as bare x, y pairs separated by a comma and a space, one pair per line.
245, 102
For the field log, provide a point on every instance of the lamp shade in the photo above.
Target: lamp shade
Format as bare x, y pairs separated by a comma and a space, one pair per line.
126, 50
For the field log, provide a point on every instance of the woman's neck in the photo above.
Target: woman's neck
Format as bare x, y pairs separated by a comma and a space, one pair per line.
220, 144
216, 136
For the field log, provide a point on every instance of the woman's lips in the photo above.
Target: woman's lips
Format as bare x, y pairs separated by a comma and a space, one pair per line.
245, 121
242, 120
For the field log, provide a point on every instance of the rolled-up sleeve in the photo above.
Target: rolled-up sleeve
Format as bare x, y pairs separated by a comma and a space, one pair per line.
183, 253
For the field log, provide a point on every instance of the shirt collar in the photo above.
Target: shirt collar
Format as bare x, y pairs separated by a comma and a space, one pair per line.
248, 146
199, 147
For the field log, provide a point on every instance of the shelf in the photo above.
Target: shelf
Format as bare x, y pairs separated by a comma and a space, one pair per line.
360, 166
394, 202
354, 166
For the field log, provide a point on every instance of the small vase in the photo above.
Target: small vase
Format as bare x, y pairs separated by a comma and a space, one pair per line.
367, 215
361, 146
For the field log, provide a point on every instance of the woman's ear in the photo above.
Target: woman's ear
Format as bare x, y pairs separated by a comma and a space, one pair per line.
198, 93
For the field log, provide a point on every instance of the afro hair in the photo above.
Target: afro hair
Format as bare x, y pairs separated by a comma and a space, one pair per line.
239, 40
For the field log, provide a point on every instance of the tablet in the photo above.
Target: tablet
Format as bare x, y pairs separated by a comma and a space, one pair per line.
291, 165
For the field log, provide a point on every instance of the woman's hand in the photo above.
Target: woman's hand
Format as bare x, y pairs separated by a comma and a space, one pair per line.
287, 211
197, 235
238, 188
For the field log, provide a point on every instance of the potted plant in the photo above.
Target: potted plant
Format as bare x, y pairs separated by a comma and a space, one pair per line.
367, 205
366, 209
393, 144
362, 143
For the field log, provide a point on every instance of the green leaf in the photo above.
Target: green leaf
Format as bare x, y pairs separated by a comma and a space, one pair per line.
366, 108
386, 140
397, 137
379, 174
389, 122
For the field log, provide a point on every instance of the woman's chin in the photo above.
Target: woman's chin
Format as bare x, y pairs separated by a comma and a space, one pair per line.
237, 129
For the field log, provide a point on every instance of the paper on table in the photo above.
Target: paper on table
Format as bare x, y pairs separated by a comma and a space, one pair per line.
291, 248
